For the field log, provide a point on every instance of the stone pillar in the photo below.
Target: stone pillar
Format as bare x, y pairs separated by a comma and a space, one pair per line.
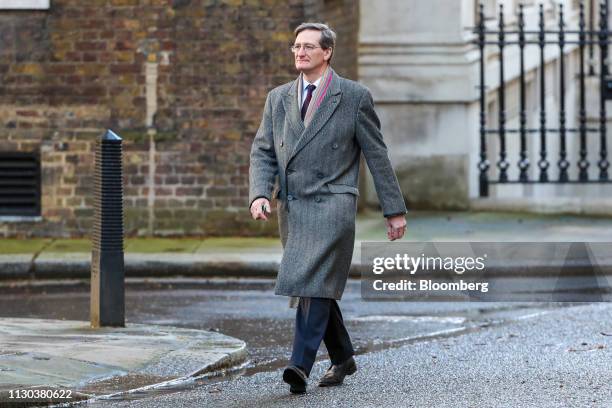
416, 58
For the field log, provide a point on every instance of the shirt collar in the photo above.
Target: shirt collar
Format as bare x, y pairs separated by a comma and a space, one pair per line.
305, 83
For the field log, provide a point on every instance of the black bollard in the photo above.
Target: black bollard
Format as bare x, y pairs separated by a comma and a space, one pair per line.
107, 273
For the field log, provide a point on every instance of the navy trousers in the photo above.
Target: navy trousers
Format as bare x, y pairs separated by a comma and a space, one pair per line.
319, 319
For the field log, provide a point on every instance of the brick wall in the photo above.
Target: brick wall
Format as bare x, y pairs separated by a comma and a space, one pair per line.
182, 81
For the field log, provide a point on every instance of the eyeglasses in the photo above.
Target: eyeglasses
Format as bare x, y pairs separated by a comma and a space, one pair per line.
307, 47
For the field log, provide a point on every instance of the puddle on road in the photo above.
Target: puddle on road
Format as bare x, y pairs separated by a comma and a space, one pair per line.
414, 319
172, 386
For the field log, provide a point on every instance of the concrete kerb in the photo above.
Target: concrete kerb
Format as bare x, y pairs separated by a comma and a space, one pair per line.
77, 266
60, 354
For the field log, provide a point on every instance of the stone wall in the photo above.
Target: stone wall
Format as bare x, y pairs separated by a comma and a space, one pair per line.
343, 17
183, 82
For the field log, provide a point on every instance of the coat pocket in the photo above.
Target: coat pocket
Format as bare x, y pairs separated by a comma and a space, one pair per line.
343, 188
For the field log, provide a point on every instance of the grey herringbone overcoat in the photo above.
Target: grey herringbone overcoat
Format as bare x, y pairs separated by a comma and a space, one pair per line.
318, 169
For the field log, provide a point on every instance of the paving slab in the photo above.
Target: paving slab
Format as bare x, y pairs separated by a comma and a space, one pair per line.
67, 354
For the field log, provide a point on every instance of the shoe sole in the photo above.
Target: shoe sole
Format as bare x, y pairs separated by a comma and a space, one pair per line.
296, 383
351, 370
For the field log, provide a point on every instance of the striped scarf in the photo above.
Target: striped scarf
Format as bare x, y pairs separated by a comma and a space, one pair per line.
318, 95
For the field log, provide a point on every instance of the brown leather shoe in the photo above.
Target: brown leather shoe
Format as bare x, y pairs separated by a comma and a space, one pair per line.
336, 373
296, 378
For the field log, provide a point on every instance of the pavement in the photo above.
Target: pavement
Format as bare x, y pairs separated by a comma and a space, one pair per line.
260, 257
69, 354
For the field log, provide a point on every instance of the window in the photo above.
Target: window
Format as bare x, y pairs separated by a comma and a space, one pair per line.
19, 184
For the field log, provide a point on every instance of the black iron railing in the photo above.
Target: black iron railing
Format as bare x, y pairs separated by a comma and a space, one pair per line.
541, 38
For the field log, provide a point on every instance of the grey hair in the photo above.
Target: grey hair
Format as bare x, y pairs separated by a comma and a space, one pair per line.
328, 36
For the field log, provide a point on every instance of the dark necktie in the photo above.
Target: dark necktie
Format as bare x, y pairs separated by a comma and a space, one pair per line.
310, 88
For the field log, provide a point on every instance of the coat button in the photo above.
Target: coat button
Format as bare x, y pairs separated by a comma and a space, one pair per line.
289, 197
320, 175
335, 146
318, 199
282, 143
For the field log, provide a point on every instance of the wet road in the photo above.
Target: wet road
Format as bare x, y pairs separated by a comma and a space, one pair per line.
557, 358
248, 309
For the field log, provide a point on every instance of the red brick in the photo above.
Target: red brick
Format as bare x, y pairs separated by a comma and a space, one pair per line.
92, 81
125, 68
90, 45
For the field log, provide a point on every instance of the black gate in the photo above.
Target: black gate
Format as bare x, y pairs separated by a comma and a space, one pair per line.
502, 38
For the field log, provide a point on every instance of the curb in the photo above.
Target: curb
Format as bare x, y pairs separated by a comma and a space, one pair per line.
229, 361
199, 267
77, 266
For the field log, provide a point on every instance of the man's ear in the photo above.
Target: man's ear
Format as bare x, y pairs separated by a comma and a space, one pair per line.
328, 53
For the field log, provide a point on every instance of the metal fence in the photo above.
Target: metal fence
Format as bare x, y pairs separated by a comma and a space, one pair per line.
541, 38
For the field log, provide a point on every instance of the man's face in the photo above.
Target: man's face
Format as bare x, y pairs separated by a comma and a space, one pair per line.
314, 60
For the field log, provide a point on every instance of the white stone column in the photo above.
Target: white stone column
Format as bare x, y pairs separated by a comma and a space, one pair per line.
416, 58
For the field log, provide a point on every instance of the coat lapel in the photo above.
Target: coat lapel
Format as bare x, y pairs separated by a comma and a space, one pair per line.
321, 116
290, 103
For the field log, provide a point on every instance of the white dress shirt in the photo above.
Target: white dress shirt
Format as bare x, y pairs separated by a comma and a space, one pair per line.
305, 83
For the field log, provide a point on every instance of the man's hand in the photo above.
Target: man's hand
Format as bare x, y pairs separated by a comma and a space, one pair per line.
396, 227
260, 209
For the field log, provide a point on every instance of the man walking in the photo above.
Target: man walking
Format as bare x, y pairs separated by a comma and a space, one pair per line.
311, 136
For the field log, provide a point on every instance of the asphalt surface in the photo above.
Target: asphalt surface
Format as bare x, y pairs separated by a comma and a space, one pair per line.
553, 358
426, 354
